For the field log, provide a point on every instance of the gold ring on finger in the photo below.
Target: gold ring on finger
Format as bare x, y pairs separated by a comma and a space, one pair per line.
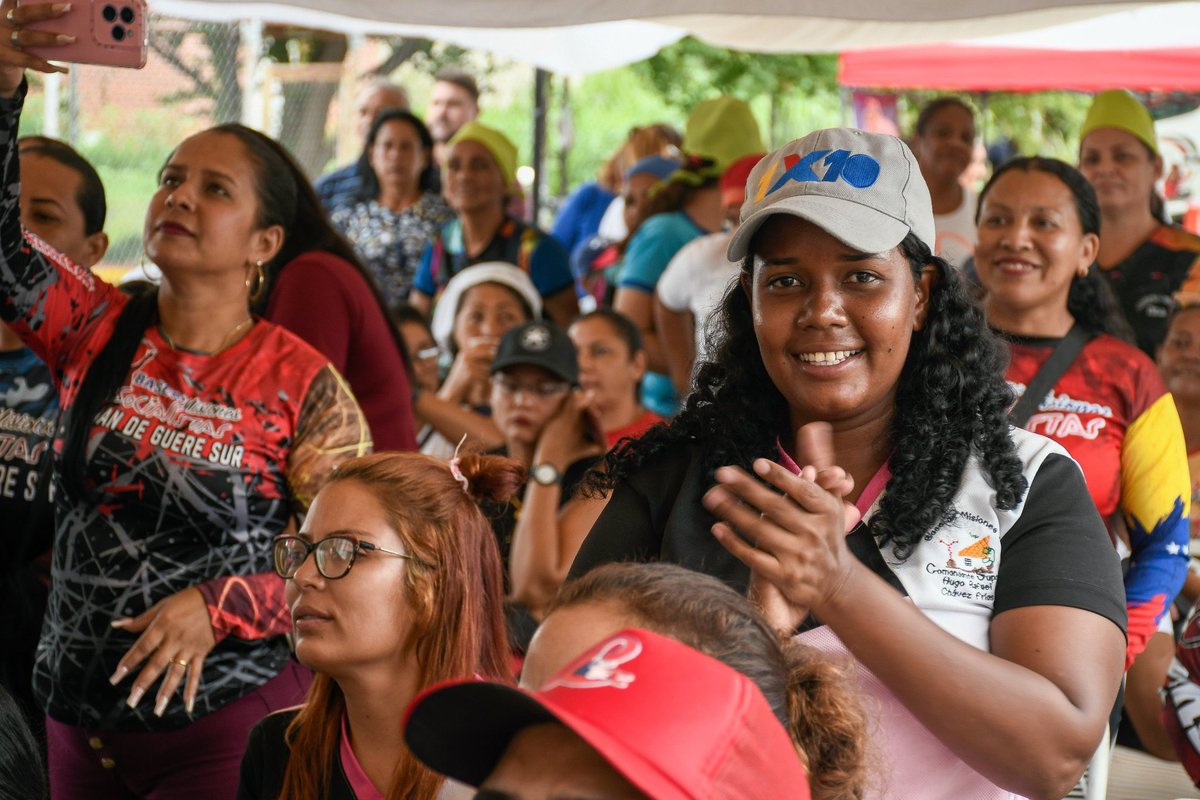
181, 662
14, 38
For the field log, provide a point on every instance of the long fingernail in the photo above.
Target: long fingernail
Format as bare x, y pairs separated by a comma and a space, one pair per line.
64, 38
119, 675
120, 623
61, 8
135, 696
160, 707
190, 704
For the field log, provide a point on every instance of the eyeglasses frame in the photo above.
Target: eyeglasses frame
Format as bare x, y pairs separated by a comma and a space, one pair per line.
512, 389
310, 549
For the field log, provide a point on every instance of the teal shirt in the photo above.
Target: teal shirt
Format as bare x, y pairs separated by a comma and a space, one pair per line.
650, 251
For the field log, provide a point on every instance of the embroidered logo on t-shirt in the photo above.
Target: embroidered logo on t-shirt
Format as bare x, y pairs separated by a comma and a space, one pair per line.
969, 570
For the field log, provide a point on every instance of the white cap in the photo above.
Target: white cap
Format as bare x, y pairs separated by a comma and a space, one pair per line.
499, 272
863, 188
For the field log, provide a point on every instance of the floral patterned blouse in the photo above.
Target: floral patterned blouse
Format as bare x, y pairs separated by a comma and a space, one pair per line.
389, 242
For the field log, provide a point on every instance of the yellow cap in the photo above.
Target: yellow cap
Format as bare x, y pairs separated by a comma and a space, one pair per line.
1117, 108
503, 151
723, 129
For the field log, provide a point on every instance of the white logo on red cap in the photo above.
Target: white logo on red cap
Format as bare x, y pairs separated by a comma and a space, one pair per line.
603, 669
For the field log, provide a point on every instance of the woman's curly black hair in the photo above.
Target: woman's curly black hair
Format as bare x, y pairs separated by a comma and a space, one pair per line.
951, 403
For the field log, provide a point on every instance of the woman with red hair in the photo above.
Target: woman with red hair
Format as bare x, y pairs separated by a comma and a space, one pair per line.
403, 590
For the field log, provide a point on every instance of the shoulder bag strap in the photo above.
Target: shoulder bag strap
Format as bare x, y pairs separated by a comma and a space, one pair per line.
1059, 361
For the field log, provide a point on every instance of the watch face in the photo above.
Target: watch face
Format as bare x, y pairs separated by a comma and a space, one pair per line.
545, 474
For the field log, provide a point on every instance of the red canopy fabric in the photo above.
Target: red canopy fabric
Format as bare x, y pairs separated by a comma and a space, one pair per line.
972, 68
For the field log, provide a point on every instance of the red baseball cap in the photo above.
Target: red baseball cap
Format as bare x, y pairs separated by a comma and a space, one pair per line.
676, 723
733, 180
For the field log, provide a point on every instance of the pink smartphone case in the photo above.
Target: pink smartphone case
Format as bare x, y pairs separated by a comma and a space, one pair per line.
107, 32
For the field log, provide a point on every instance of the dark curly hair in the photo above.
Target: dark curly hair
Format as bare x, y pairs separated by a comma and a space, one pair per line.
951, 402
1090, 300
21, 774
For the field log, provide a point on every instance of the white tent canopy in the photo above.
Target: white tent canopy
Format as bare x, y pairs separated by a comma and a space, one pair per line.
580, 37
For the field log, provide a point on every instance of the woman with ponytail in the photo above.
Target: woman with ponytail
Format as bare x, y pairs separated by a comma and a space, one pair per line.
846, 461
193, 434
394, 584
810, 695
1039, 227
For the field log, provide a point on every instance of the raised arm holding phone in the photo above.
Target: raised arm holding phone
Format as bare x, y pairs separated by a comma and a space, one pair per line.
193, 434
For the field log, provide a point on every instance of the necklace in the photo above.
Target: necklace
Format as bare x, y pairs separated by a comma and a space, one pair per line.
229, 339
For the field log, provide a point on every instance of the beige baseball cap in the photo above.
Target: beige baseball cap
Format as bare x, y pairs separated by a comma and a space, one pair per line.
863, 188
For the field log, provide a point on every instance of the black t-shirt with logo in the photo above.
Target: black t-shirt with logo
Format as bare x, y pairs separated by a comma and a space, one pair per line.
1146, 283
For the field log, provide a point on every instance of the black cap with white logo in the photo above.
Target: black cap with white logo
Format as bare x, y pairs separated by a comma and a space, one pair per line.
539, 344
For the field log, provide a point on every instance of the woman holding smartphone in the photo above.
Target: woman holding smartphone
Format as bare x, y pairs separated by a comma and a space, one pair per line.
193, 434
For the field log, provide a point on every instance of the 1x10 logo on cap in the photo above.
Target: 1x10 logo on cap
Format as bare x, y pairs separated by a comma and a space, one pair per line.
857, 169
863, 188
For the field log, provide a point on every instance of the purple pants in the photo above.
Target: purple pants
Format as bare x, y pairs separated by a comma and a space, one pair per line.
199, 762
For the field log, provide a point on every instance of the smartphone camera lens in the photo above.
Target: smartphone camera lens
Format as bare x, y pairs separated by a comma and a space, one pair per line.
118, 33
127, 15
109, 13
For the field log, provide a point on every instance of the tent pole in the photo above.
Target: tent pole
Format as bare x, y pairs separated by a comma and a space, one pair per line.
73, 108
566, 138
50, 109
983, 116
250, 33
541, 81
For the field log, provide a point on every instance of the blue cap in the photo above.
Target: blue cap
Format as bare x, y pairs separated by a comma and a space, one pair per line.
660, 167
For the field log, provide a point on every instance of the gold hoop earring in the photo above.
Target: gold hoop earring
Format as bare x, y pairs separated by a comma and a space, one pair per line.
257, 282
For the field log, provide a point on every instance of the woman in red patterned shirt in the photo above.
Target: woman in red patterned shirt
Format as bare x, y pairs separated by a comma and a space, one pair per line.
194, 433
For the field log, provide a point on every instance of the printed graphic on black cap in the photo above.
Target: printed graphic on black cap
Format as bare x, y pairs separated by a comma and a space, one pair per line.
536, 339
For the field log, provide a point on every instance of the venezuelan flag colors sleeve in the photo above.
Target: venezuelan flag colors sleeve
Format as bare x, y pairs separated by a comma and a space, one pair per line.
1155, 504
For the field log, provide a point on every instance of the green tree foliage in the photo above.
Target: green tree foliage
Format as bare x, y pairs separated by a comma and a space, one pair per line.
789, 92
690, 71
1041, 123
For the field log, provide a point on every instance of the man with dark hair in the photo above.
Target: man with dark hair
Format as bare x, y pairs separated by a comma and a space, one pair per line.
343, 186
62, 199
453, 103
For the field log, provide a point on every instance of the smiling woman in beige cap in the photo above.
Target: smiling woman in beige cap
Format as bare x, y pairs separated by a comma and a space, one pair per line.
848, 447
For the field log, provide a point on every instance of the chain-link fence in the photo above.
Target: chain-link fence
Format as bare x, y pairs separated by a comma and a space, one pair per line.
297, 86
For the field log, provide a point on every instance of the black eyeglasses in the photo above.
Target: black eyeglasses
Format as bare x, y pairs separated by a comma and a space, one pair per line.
335, 555
543, 391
